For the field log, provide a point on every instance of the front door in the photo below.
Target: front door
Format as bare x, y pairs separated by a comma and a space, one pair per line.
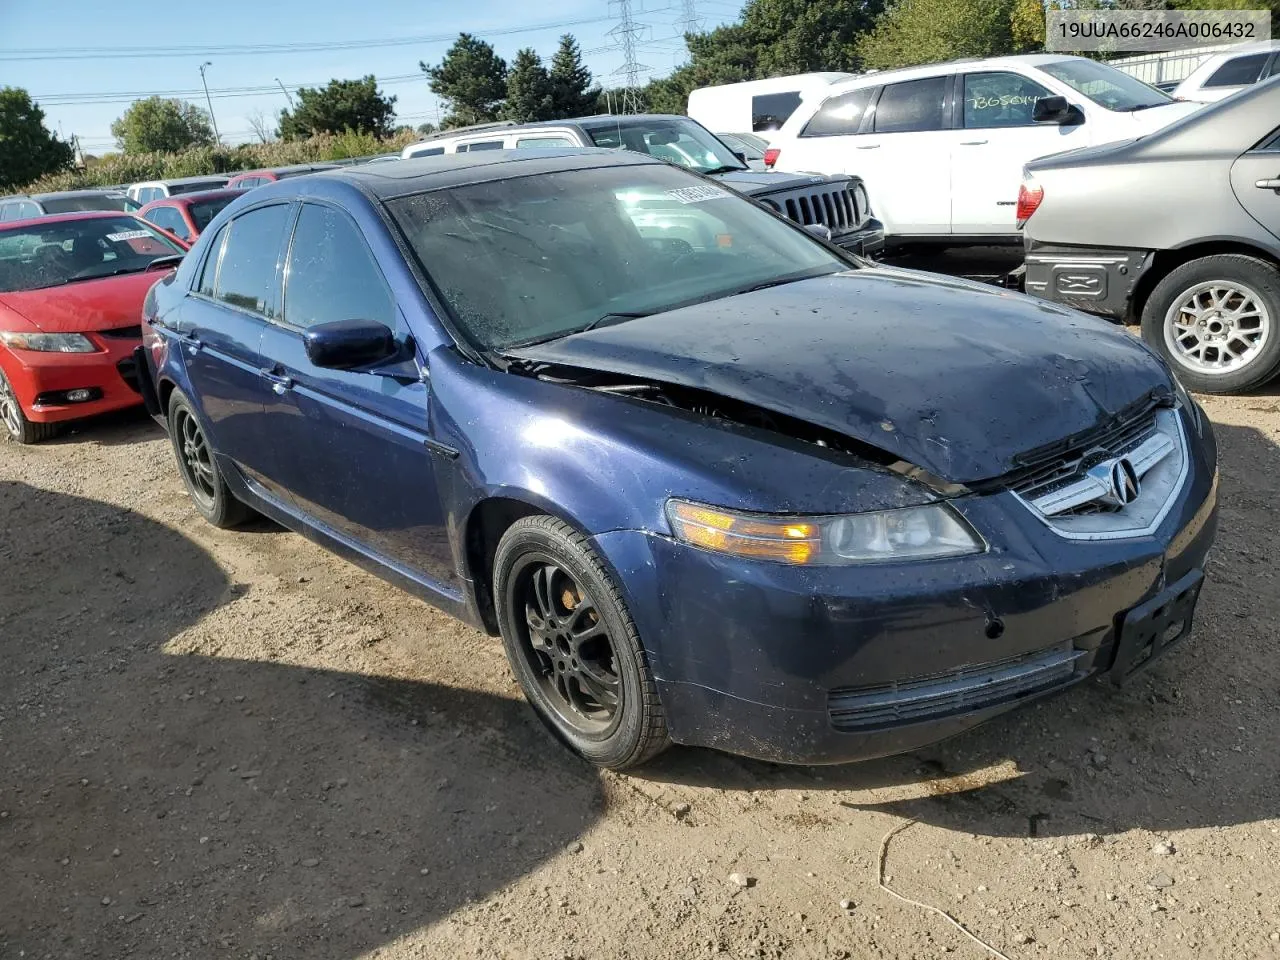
220, 329
995, 138
353, 442
1255, 177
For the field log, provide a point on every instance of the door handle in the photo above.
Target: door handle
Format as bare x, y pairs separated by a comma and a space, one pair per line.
868, 146
1268, 184
972, 143
280, 385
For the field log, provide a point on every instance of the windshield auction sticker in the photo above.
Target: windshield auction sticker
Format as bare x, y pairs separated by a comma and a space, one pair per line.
129, 235
1143, 31
697, 194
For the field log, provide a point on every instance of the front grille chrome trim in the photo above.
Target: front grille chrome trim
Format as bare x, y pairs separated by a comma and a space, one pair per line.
964, 690
1163, 461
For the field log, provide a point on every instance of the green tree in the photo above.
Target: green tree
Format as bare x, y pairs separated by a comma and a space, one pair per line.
572, 94
472, 79
28, 150
528, 89
341, 105
158, 125
800, 36
927, 31
426, 128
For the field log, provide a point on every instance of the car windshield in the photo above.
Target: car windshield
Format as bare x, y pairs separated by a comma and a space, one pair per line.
203, 211
677, 141
90, 201
581, 248
1105, 85
68, 251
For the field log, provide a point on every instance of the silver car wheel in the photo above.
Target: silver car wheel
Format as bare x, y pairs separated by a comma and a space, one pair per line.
10, 414
1217, 327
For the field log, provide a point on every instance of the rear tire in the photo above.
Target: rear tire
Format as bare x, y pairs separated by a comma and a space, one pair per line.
16, 424
574, 647
1218, 312
199, 467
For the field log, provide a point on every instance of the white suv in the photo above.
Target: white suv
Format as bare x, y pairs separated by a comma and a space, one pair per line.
1223, 74
941, 147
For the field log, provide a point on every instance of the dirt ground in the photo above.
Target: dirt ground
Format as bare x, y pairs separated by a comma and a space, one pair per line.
223, 744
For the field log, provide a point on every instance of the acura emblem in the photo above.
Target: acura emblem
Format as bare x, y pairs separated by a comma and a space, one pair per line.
1125, 486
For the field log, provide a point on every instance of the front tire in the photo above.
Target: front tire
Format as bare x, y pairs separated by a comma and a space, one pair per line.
15, 422
199, 468
574, 647
1216, 321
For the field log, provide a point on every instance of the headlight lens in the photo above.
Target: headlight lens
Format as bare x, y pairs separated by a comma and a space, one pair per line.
47, 342
910, 533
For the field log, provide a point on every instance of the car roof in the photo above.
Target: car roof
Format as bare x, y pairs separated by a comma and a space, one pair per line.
63, 194
502, 128
287, 169
64, 217
195, 196
875, 77
179, 181
420, 174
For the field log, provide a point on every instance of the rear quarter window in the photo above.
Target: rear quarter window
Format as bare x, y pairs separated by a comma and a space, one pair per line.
840, 115
1239, 71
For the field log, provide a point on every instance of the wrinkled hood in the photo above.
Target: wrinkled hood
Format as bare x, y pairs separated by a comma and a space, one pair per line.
756, 183
85, 306
950, 376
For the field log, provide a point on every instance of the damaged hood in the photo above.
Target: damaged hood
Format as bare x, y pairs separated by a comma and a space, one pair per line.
950, 376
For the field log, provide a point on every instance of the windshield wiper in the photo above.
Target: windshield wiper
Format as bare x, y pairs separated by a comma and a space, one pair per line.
725, 169
607, 320
1148, 106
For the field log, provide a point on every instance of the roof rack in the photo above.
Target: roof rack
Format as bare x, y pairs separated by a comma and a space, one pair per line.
473, 128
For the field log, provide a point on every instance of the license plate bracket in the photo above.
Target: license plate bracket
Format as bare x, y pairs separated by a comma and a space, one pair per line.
1150, 629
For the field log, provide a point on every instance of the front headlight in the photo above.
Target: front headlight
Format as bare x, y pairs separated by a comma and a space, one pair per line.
47, 342
910, 533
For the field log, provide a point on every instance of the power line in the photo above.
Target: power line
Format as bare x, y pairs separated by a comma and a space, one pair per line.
260, 49
128, 96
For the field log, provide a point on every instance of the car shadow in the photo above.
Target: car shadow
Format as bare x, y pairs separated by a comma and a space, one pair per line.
109, 429
156, 802
1188, 744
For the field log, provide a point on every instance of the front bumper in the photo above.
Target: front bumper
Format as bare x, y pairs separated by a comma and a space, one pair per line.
1093, 279
41, 380
866, 241
771, 661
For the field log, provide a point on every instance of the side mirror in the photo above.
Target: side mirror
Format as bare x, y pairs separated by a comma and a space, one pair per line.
819, 230
348, 344
1055, 110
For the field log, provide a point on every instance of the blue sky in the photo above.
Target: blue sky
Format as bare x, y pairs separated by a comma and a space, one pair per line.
92, 26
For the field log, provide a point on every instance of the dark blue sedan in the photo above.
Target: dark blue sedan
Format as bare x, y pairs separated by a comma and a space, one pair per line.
712, 480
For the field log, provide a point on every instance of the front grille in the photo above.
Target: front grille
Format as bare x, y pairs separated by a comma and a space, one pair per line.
128, 368
122, 333
1068, 460
965, 690
833, 205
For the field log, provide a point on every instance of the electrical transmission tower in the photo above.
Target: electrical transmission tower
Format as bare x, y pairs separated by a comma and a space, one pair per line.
627, 34
689, 21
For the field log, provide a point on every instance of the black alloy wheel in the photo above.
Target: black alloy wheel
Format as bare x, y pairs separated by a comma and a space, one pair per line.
573, 646
199, 467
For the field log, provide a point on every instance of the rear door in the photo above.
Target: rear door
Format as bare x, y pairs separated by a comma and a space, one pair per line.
220, 329
1255, 177
904, 156
995, 137
357, 441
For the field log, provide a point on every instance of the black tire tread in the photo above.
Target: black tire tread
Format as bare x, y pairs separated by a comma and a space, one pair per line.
30, 431
654, 737
228, 512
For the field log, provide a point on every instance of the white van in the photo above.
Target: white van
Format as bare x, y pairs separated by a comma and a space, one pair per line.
150, 190
1222, 74
941, 147
756, 106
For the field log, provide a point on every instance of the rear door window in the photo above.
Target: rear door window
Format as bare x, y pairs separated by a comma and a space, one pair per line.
912, 106
1239, 71
769, 111
209, 269
480, 145
839, 115
247, 277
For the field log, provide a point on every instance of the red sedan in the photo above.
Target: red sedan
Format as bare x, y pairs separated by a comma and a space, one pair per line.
187, 214
71, 292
